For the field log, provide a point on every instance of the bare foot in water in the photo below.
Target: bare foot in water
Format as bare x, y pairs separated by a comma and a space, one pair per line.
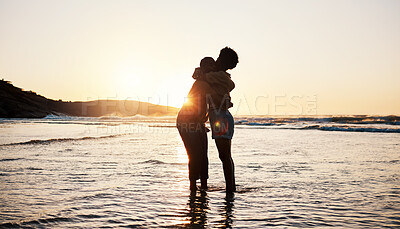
204, 184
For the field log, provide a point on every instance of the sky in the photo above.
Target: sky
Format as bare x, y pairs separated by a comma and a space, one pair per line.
299, 57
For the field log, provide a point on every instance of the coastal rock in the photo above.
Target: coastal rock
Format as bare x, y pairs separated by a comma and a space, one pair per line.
17, 103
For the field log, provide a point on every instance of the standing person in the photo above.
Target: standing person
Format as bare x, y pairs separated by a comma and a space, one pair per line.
221, 120
191, 126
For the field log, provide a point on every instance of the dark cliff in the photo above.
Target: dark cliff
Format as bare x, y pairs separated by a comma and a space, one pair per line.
17, 103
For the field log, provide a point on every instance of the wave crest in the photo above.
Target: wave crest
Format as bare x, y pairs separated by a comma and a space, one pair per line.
57, 140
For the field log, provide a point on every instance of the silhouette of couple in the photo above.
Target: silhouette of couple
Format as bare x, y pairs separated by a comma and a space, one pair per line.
209, 98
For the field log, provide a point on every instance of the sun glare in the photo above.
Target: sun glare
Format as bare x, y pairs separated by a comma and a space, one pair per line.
140, 83
127, 81
174, 90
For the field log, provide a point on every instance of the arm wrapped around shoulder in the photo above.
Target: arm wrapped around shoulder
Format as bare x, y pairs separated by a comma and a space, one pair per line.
198, 74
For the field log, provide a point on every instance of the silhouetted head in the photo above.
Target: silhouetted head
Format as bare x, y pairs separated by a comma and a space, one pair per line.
227, 59
207, 64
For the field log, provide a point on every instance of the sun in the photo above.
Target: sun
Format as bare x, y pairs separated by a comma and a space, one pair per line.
126, 80
173, 91
143, 84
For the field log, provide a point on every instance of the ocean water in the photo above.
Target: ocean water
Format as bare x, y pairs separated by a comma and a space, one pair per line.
65, 172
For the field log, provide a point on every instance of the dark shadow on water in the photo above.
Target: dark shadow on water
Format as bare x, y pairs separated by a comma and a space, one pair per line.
197, 210
227, 212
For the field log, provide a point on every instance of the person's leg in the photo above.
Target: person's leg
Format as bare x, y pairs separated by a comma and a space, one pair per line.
224, 151
191, 142
204, 159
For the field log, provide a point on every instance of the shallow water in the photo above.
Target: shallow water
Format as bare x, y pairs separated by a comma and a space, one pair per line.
134, 175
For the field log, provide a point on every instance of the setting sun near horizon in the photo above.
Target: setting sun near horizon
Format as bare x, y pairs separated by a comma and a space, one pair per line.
295, 57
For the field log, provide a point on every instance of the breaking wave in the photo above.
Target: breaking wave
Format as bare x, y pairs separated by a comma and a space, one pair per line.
57, 140
353, 129
361, 123
357, 123
359, 119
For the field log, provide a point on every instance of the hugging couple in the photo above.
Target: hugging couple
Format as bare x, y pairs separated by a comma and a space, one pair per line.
210, 98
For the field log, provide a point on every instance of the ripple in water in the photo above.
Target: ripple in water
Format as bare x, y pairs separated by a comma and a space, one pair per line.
286, 178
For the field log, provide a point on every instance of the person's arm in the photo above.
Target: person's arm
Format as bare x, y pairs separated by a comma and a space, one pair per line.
198, 74
213, 99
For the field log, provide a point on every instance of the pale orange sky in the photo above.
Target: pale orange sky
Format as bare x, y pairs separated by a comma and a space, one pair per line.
296, 57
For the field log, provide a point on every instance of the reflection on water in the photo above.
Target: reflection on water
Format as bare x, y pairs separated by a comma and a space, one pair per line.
286, 178
198, 208
227, 212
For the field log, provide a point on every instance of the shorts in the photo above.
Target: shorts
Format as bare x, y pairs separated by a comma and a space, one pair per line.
222, 124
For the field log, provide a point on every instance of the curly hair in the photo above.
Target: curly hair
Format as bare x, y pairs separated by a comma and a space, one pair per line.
207, 64
227, 59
